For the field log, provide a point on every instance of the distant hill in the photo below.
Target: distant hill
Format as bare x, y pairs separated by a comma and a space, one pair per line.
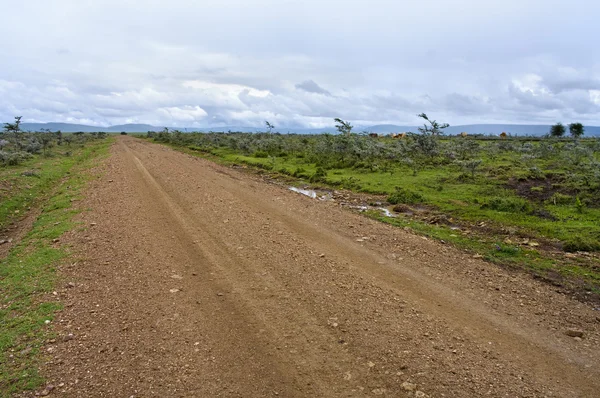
73, 128
495, 129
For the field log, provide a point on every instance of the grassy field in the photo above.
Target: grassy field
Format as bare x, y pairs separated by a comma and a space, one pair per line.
46, 184
528, 203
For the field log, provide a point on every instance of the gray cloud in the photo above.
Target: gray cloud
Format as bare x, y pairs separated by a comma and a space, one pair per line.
311, 87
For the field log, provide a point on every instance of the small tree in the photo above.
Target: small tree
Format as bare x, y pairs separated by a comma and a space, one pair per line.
13, 127
270, 127
342, 126
576, 130
434, 128
558, 130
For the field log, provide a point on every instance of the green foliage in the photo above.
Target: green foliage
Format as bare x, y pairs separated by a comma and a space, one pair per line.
342, 126
508, 204
560, 199
434, 128
405, 196
581, 244
576, 130
319, 176
557, 130
579, 205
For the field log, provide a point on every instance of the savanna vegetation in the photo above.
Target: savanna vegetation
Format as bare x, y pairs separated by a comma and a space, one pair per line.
40, 176
524, 201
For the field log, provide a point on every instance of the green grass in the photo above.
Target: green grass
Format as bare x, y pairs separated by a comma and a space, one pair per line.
28, 273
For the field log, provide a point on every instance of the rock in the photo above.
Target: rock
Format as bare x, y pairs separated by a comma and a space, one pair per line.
378, 391
574, 333
322, 255
219, 294
175, 290
408, 386
370, 364
70, 285
420, 394
68, 337
477, 255
175, 276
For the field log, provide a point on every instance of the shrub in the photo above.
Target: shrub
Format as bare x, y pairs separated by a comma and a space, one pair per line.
261, 154
403, 195
508, 204
13, 158
560, 199
319, 175
580, 244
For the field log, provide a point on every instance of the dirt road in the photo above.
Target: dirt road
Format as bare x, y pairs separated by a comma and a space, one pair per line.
196, 280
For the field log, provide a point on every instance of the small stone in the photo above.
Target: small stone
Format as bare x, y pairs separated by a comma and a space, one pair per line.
93, 224
70, 285
68, 337
420, 394
321, 255
175, 276
47, 321
408, 386
370, 364
175, 290
55, 240
477, 255
378, 391
574, 333
219, 294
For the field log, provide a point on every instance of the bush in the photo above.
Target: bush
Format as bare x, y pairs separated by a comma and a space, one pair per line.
579, 244
319, 175
261, 154
560, 199
13, 158
402, 195
507, 204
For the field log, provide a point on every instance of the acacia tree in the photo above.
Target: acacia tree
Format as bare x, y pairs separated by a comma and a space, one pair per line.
434, 128
558, 130
576, 130
14, 130
342, 126
270, 127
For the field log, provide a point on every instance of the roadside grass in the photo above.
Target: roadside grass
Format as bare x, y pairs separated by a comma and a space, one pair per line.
488, 195
28, 272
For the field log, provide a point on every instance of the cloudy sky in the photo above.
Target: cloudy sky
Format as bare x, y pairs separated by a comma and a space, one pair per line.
299, 63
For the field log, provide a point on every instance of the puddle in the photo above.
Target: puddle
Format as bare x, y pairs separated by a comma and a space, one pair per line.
326, 195
383, 210
386, 212
321, 195
307, 192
